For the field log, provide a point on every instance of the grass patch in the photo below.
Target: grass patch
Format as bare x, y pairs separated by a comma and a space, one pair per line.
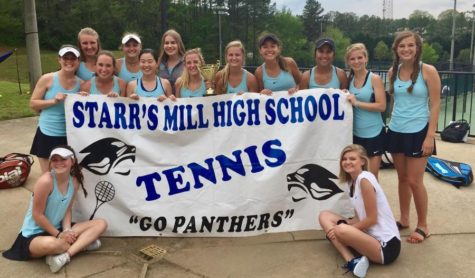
13, 104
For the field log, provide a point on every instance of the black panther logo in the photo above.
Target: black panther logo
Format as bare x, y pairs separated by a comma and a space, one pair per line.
106, 154
313, 180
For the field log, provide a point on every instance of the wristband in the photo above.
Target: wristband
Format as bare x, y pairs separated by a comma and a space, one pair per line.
341, 221
57, 235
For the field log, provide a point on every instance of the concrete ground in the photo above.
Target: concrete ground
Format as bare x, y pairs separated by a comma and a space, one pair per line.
449, 252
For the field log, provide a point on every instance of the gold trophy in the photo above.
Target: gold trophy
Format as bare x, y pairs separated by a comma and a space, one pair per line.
209, 73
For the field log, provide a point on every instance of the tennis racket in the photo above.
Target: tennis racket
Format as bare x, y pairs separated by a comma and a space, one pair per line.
105, 192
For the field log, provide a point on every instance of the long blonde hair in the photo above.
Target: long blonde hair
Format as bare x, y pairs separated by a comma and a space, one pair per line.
91, 32
351, 48
415, 67
237, 43
184, 80
181, 47
345, 177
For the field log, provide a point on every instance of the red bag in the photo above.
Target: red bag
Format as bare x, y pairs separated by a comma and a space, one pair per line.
14, 169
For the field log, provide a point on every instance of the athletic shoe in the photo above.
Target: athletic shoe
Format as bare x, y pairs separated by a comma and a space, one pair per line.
96, 244
359, 266
56, 262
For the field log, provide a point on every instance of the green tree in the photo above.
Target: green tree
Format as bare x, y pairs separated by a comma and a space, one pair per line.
382, 51
420, 20
311, 18
464, 56
341, 43
289, 29
429, 55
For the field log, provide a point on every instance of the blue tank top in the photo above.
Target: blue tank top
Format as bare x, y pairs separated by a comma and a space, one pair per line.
366, 124
52, 121
334, 81
411, 110
282, 82
84, 73
156, 92
94, 91
242, 87
201, 91
126, 75
56, 206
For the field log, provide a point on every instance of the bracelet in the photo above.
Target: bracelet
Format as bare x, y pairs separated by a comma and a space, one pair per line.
342, 221
57, 235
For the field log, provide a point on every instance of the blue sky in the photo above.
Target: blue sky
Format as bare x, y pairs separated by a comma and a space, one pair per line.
401, 8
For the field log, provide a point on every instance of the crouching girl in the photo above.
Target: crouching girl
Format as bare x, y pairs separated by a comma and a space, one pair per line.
47, 228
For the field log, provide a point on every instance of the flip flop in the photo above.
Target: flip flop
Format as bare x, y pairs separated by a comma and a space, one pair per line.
400, 226
414, 239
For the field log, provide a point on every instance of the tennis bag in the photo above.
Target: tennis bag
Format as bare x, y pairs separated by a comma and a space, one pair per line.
456, 132
14, 169
456, 173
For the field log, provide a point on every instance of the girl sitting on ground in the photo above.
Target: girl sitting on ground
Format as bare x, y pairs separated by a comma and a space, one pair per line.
372, 233
47, 228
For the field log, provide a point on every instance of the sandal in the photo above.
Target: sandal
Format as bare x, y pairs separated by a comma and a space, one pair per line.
400, 226
415, 237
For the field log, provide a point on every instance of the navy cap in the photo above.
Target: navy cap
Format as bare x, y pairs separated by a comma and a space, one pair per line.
325, 41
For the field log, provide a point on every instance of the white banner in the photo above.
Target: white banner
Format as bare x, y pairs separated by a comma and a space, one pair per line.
229, 165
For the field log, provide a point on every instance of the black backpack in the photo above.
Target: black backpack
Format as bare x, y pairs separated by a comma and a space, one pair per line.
456, 132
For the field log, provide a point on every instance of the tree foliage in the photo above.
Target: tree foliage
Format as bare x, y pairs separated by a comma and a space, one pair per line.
311, 18
198, 22
382, 51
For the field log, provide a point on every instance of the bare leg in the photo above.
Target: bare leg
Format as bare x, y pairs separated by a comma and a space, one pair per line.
344, 236
405, 193
88, 232
47, 245
44, 164
415, 178
374, 163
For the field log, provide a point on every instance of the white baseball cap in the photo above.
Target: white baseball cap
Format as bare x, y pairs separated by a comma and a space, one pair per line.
68, 49
63, 152
129, 37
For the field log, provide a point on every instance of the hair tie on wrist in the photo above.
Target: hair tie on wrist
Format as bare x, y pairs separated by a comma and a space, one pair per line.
341, 221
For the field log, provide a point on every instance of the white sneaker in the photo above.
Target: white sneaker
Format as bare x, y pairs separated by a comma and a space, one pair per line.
96, 244
56, 262
361, 267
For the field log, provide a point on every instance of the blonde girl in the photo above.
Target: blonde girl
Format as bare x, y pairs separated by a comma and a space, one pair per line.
234, 78
368, 99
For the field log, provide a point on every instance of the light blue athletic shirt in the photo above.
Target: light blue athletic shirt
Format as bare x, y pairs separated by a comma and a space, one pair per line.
95, 91
242, 87
411, 110
156, 92
55, 210
334, 81
366, 124
52, 121
201, 91
84, 73
126, 75
282, 82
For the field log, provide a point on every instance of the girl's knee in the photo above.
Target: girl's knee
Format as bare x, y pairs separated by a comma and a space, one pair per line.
100, 224
324, 217
341, 230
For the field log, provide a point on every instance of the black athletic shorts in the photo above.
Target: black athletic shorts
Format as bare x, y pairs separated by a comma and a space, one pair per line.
410, 144
374, 146
43, 144
390, 250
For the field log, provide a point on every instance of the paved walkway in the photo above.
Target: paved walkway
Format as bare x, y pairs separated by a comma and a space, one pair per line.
449, 252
